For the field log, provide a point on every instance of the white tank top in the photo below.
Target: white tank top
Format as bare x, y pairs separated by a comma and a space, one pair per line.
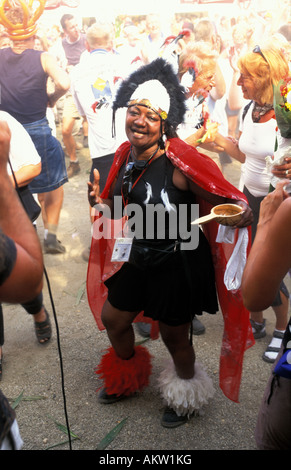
257, 141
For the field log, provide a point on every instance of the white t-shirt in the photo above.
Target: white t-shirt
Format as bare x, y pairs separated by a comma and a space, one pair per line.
22, 149
128, 54
94, 79
257, 141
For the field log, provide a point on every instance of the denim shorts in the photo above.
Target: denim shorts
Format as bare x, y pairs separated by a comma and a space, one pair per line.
53, 168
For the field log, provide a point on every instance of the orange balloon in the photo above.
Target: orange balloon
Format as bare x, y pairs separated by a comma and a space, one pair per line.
28, 27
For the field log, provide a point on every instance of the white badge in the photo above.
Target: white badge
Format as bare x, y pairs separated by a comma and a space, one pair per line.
122, 249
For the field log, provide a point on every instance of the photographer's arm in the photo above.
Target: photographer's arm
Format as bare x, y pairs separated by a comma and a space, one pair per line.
25, 280
270, 256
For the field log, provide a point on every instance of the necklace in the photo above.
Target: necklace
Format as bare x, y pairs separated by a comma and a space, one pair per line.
259, 111
141, 164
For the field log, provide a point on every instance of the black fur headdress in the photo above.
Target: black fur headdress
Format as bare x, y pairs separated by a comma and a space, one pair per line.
162, 71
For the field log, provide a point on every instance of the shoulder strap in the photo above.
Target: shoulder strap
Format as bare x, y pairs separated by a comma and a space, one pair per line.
246, 108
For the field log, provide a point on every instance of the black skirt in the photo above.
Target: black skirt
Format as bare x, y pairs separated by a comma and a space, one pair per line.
172, 292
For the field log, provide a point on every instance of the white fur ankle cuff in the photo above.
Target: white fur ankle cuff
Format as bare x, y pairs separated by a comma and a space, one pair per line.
185, 396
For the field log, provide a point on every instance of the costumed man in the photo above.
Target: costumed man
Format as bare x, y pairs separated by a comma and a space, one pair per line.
161, 276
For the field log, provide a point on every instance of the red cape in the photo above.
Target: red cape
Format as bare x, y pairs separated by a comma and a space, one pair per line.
237, 335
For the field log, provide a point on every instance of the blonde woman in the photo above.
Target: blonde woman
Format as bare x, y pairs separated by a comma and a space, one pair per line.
260, 69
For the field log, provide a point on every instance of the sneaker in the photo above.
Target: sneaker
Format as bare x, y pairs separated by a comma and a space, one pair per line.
272, 351
52, 245
170, 419
106, 399
259, 329
85, 141
144, 329
197, 327
73, 169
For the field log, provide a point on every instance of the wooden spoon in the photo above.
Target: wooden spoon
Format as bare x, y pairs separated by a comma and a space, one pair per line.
224, 214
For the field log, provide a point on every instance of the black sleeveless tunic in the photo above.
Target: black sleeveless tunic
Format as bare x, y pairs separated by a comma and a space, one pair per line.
173, 283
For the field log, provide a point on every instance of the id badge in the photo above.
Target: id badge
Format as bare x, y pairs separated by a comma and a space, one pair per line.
122, 249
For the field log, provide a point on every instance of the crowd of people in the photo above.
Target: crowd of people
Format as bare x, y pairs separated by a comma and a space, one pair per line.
162, 113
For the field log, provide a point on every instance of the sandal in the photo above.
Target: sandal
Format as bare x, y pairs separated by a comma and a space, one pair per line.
43, 329
274, 347
259, 329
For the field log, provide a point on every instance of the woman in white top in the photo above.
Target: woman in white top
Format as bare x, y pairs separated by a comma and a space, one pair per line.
260, 70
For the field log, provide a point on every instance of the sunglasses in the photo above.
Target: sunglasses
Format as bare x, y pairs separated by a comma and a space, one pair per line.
137, 165
127, 180
257, 50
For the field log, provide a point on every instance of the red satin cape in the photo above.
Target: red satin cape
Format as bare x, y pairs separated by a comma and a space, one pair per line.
237, 334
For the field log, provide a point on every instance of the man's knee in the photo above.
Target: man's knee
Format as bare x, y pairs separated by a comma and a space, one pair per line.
67, 127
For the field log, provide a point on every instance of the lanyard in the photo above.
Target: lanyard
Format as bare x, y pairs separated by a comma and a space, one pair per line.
139, 177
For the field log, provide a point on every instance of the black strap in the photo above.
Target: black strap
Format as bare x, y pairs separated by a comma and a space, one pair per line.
246, 108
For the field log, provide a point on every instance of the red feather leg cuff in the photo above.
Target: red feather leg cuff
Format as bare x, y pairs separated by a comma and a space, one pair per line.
125, 377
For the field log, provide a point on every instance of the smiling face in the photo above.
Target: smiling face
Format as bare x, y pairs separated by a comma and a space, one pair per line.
248, 87
143, 129
206, 81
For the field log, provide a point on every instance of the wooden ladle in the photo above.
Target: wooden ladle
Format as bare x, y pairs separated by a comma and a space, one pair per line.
224, 214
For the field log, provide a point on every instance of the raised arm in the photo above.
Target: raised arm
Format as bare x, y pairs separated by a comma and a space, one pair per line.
59, 77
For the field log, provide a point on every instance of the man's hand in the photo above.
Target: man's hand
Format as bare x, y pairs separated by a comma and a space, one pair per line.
94, 190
